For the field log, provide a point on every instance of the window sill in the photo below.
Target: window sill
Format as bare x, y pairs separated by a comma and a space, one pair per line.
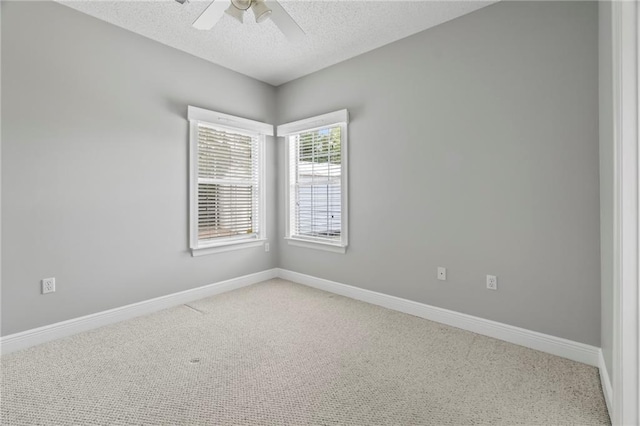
335, 248
230, 246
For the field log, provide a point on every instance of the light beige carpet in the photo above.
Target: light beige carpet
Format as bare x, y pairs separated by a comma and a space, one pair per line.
280, 353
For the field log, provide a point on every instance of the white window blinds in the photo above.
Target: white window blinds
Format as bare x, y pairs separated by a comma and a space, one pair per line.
316, 174
228, 187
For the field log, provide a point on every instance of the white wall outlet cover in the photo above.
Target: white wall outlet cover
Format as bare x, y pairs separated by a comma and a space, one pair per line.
492, 282
442, 273
266, 247
48, 285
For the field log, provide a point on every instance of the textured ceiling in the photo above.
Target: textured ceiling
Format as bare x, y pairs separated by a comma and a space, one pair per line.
335, 31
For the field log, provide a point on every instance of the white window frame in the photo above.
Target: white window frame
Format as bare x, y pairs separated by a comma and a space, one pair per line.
288, 130
232, 123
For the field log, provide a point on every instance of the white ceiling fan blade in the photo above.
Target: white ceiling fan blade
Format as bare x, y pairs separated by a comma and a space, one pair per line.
284, 21
211, 14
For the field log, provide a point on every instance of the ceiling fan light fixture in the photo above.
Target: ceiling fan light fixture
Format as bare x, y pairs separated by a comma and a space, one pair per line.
241, 4
260, 10
235, 13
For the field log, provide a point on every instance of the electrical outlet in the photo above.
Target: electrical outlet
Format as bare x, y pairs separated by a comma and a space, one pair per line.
48, 285
442, 273
266, 247
492, 282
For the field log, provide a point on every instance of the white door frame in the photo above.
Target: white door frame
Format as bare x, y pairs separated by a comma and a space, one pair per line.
626, 297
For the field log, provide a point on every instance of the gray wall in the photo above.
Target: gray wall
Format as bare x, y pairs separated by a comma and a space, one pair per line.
482, 135
94, 165
606, 180
474, 146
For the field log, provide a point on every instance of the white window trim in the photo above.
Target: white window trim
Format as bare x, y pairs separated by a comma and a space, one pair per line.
230, 121
319, 245
217, 119
220, 248
285, 130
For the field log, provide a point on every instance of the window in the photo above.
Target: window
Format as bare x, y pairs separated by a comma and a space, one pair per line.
316, 194
227, 185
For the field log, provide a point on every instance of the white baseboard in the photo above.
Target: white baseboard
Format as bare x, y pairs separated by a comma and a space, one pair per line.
554, 345
607, 390
25, 339
531, 339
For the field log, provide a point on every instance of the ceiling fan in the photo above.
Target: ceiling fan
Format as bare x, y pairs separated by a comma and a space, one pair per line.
262, 10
